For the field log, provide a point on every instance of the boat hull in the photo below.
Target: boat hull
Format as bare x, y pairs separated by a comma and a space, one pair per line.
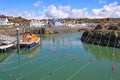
28, 46
7, 47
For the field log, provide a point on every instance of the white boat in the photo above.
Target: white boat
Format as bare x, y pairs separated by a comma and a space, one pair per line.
5, 45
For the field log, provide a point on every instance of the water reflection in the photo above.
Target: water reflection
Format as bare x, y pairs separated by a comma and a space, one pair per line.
101, 52
4, 56
61, 40
30, 52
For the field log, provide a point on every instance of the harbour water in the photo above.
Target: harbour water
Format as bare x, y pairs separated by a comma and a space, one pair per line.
61, 57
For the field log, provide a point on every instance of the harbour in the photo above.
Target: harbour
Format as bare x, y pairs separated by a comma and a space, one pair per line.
9, 34
60, 56
60, 40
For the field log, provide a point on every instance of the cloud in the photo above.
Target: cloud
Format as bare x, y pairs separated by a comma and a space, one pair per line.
9, 12
65, 8
110, 10
27, 14
117, 13
33, 15
37, 3
79, 13
65, 12
52, 11
56, 12
102, 1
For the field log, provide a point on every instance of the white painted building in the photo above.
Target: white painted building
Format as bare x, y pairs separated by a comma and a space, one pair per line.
81, 25
37, 23
5, 21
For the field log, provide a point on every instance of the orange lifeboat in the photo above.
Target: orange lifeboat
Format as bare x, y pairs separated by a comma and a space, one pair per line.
29, 40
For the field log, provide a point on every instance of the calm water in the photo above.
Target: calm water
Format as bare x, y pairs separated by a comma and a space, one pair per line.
61, 57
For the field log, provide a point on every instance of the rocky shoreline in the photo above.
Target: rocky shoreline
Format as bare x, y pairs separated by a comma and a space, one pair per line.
50, 30
58, 30
109, 37
10, 31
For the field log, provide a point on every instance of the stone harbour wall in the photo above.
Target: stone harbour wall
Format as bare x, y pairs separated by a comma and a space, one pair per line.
109, 38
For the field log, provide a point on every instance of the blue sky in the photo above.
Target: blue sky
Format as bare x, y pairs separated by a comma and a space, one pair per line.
38, 9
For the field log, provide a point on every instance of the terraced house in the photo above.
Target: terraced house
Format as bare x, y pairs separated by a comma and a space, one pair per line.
4, 21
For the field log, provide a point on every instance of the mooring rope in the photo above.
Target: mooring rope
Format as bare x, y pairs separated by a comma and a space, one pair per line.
81, 68
37, 69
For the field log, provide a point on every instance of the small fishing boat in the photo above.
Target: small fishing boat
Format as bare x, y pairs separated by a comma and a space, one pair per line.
29, 40
6, 45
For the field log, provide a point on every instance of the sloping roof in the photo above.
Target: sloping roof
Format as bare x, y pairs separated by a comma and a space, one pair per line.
3, 19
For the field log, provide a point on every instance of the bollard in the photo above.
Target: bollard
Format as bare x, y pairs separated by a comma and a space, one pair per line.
18, 43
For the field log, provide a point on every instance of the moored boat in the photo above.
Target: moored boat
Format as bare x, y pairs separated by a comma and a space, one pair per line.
6, 45
29, 40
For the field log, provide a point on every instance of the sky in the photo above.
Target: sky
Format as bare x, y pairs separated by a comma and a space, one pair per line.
43, 9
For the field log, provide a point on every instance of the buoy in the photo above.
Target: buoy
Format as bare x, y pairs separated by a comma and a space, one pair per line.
113, 54
113, 68
91, 59
48, 49
88, 49
65, 54
74, 59
100, 52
